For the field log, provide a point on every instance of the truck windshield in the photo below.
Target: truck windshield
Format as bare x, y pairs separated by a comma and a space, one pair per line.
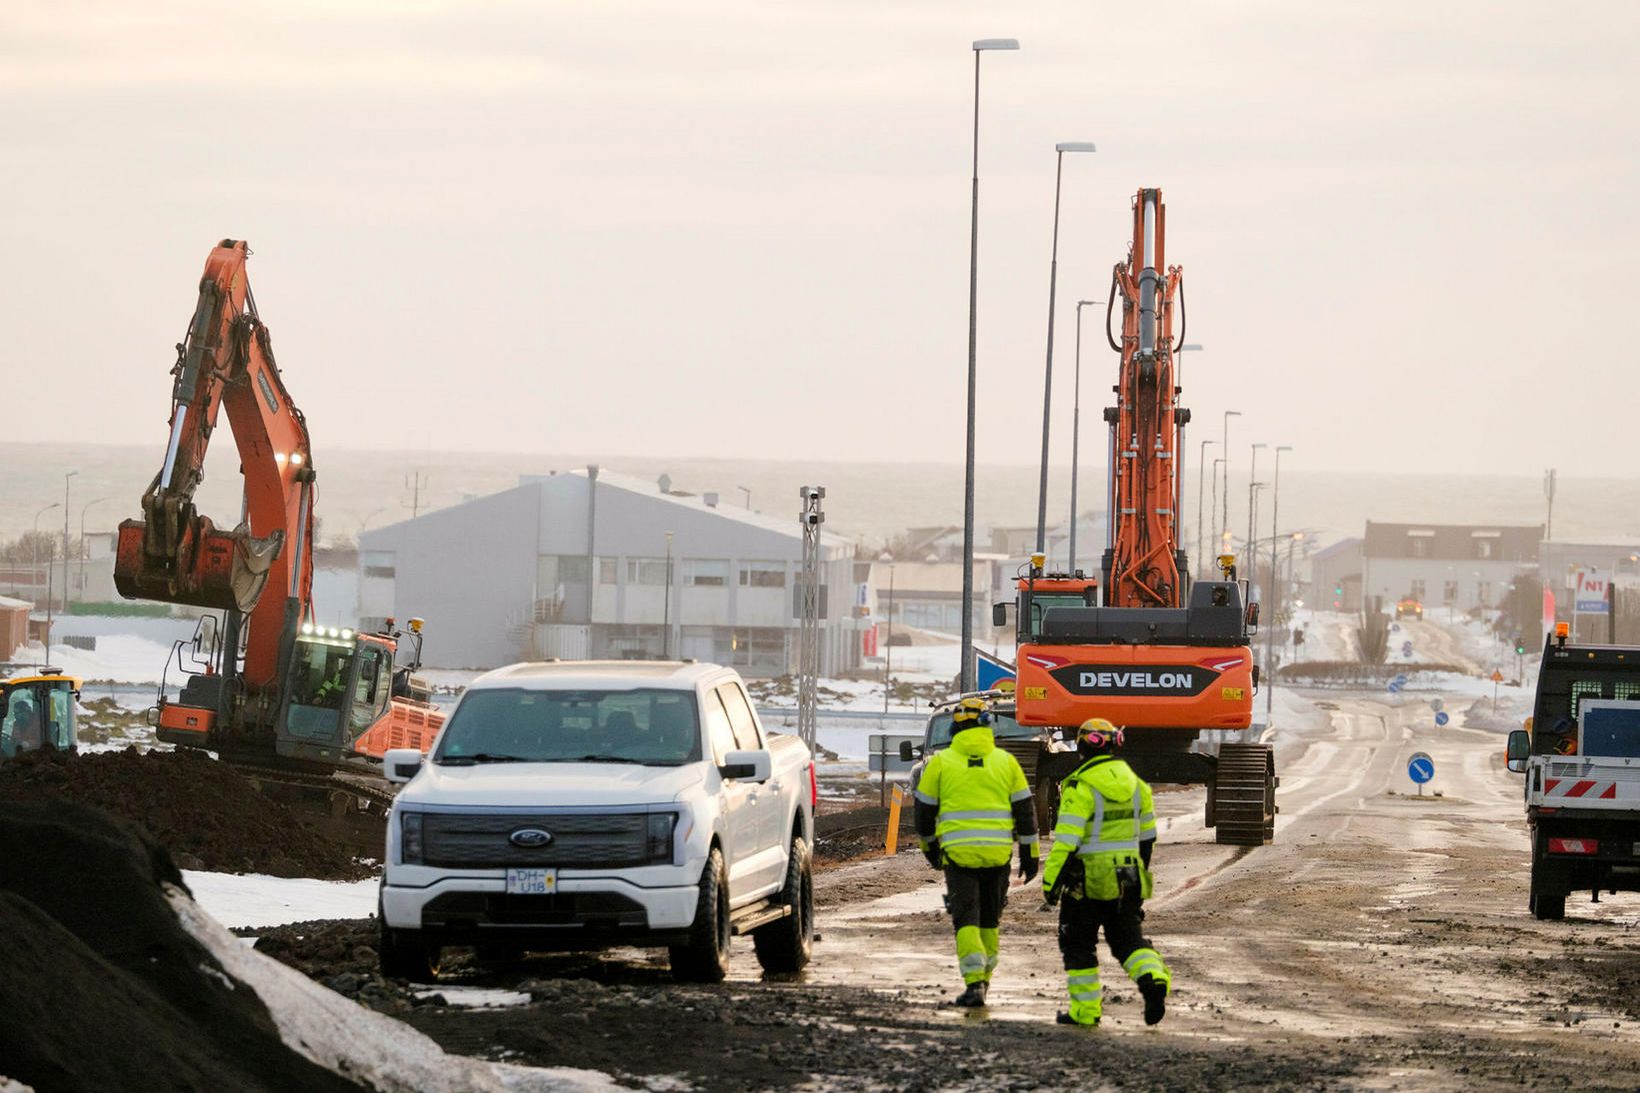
648, 726
1003, 726
1612, 730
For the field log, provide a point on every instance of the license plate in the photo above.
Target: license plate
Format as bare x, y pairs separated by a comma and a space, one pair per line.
532, 882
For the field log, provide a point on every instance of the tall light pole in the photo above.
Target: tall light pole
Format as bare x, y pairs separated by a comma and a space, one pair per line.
1275, 596
1047, 375
1224, 519
67, 480
34, 553
1076, 429
1252, 528
747, 491
83, 551
1252, 549
1217, 463
666, 605
1201, 526
888, 647
966, 672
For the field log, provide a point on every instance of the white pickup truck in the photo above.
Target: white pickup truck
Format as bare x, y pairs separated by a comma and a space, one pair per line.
1581, 757
580, 805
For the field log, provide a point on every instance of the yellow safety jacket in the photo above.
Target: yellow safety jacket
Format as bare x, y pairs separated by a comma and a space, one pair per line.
975, 785
1105, 812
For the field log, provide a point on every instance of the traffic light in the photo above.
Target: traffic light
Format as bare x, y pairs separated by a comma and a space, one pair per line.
1520, 646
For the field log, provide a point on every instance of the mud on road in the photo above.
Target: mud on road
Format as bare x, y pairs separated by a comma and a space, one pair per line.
1382, 942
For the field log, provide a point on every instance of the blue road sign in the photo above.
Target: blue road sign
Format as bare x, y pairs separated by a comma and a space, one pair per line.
1406, 648
1420, 768
1401, 679
989, 671
1442, 717
1393, 688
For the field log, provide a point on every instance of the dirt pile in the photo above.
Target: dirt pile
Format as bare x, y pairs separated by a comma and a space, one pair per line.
208, 815
103, 988
852, 833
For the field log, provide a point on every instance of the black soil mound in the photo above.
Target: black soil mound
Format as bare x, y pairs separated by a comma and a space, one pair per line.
855, 832
103, 990
206, 813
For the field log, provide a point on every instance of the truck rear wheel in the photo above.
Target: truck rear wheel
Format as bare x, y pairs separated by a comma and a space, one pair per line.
786, 944
1546, 901
704, 958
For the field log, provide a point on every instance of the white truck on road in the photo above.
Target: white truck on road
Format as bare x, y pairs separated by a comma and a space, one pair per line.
580, 805
1580, 754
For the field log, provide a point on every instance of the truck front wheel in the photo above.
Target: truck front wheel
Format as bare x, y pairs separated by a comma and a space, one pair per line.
786, 944
704, 958
1547, 901
406, 954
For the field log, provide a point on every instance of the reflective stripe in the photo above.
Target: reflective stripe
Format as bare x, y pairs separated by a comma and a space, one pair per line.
1072, 841
1063, 828
1148, 836
1027, 840
925, 798
1091, 977
1003, 838
971, 962
1020, 795
1066, 814
1086, 994
1097, 847
1147, 819
977, 814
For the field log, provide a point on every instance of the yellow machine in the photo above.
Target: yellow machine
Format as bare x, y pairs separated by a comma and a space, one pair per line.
37, 711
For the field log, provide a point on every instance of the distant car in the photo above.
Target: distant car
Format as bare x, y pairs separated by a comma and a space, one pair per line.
1409, 606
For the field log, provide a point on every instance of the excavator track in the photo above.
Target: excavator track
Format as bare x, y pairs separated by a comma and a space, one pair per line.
349, 808
1242, 798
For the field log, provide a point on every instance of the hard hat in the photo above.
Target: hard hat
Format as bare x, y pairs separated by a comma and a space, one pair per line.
1098, 734
970, 713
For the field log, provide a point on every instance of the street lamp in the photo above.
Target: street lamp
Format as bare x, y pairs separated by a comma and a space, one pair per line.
1217, 463
747, 491
1275, 596
1076, 428
83, 551
966, 674
34, 552
666, 605
1224, 517
1252, 528
1047, 375
1201, 527
67, 480
888, 647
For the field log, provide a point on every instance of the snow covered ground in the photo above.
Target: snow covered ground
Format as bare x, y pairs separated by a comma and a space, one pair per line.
257, 901
125, 658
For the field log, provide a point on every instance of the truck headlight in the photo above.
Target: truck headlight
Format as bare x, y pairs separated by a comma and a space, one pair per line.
659, 837
410, 844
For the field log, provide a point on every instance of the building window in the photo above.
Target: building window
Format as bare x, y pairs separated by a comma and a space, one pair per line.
1450, 592
1417, 590
763, 574
1418, 546
1486, 548
1483, 591
572, 568
608, 570
706, 572
646, 571
377, 563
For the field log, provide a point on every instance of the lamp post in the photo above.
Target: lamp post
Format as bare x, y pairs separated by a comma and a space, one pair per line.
1275, 596
67, 480
966, 672
888, 647
1217, 463
1252, 528
83, 551
747, 491
1076, 429
34, 553
1252, 548
1047, 375
1224, 517
1201, 527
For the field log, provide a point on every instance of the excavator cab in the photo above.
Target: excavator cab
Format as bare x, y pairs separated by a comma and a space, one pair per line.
38, 712
339, 685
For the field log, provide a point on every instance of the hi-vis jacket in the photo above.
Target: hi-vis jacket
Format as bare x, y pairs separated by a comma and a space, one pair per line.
1105, 812
973, 798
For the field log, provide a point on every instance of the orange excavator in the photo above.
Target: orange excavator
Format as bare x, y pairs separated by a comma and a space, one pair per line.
1162, 656
267, 687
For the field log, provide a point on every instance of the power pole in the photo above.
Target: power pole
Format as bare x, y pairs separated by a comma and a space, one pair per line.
1549, 493
808, 613
415, 483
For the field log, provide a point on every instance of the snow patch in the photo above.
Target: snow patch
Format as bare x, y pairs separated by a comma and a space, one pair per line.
256, 900
476, 997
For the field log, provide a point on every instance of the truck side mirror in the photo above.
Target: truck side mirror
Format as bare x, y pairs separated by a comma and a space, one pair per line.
999, 614
1252, 614
753, 766
1517, 751
205, 636
1255, 676
908, 751
400, 765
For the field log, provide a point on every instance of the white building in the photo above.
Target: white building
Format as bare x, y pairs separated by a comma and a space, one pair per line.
505, 577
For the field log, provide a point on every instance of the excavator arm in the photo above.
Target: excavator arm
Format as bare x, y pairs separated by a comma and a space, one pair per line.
174, 554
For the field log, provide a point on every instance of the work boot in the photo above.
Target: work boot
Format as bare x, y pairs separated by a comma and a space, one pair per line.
972, 998
1066, 1019
1155, 995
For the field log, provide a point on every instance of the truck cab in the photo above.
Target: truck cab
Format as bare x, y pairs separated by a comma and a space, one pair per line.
1580, 755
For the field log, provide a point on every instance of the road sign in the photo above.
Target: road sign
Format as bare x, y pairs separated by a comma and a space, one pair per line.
1437, 705
1406, 648
990, 671
1401, 679
1394, 688
1591, 594
1441, 718
1497, 676
1420, 768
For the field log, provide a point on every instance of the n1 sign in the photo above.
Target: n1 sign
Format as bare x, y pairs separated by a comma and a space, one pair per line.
1591, 594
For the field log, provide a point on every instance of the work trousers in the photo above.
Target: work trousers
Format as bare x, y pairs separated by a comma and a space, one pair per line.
975, 898
1080, 921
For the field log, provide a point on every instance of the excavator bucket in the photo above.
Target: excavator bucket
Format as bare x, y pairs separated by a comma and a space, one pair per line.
208, 567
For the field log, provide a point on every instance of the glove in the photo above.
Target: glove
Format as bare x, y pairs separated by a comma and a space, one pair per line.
1028, 865
936, 859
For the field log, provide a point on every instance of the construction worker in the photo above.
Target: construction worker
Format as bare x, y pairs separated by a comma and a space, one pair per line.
972, 805
1106, 831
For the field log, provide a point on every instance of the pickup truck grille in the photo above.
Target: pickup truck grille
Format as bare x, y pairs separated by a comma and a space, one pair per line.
578, 841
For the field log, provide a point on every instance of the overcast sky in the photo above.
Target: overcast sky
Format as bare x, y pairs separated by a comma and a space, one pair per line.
741, 228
